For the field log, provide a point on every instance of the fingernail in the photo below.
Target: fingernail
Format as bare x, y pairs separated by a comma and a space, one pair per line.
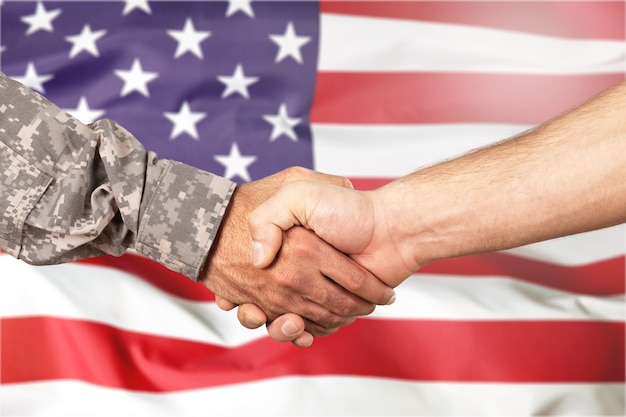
257, 253
289, 328
392, 299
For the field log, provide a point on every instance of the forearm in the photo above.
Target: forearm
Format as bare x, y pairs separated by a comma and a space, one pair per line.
565, 177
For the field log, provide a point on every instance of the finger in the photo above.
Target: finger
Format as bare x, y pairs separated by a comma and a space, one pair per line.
320, 299
297, 173
355, 279
304, 340
296, 203
267, 222
286, 328
224, 304
251, 316
316, 176
316, 330
350, 289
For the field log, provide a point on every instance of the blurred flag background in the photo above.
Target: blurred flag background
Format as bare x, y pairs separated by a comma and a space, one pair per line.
369, 90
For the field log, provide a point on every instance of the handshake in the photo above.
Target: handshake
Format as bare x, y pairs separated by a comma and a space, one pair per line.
566, 176
301, 250
301, 283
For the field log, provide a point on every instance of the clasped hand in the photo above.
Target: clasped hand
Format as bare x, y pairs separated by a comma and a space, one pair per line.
309, 289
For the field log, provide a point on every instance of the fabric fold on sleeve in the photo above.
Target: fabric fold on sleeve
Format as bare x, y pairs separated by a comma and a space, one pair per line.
74, 191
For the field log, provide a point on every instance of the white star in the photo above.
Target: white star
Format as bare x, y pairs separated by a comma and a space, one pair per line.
41, 20
282, 124
32, 79
237, 83
289, 44
135, 79
84, 113
185, 121
188, 39
235, 163
85, 41
235, 6
136, 4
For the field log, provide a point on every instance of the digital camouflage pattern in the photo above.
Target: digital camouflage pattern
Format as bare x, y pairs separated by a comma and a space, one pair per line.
70, 191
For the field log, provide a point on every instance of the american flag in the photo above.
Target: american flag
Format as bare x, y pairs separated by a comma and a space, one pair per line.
369, 90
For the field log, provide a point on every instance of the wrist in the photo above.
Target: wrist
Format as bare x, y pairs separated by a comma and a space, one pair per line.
427, 216
402, 223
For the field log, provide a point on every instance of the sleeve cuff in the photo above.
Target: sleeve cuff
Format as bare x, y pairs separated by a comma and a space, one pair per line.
182, 217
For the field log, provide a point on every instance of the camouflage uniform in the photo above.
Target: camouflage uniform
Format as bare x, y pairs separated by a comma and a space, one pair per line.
70, 191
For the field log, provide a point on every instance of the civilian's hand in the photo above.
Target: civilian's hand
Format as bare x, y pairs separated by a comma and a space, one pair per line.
355, 222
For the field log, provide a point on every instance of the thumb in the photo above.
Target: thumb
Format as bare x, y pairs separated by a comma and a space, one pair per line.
280, 212
224, 304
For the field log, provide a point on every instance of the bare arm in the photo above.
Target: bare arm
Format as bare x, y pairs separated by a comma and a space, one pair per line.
564, 177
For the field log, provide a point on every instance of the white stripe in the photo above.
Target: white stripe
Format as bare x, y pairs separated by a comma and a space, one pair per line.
330, 396
93, 293
444, 297
395, 150
365, 44
114, 297
579, 249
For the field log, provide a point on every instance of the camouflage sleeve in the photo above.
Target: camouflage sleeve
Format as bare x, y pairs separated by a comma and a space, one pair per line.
70, 191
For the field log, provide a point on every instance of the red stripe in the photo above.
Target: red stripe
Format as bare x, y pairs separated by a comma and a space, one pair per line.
396, 98
36, 348
573, 19
602, 278
371, 183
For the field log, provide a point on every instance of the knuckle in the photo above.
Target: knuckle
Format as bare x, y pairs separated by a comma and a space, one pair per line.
254, 219
297, 173
353, 308
327, 320
333, 321
355, 280
288, 281
346, 309
319, 331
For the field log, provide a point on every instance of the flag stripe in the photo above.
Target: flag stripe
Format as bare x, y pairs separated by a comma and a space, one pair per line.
579, 249
572, 19
410, 98
390, 151
608, 275
451, 297
351, 396
156, 275
601, 278
63, 292
529, 331
518, 351
356, 44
